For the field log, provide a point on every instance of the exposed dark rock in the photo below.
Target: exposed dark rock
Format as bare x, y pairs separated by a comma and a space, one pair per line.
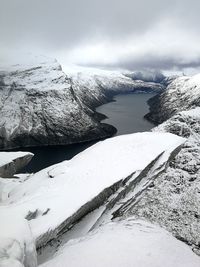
13, 162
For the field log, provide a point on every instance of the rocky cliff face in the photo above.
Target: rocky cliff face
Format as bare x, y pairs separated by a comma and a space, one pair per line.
41, 105
173, 199
38, 106
95, 87
182, 94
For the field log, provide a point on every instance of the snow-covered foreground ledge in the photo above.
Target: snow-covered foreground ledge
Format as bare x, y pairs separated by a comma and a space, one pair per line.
124, 244
17, 246
12, 162
57, 197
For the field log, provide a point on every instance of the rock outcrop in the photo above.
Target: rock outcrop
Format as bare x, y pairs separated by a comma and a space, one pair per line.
13, 162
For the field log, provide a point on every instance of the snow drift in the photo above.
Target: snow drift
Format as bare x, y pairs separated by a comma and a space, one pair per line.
126, 243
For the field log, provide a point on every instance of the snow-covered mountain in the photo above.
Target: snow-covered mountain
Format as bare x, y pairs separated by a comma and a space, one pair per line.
39, 107
182, 94
95, 86
174, 200
42, 105
131, 199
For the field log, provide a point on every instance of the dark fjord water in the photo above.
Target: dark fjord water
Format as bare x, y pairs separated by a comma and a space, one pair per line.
49, 155
126, 114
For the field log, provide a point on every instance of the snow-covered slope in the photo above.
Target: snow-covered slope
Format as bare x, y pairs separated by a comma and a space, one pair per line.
124, 244
57, 197
38, 106
173, 201
182, 94
95, 86
12, 162
42, 105
17, 246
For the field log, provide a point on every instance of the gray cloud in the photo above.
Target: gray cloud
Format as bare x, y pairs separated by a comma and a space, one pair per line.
69, 28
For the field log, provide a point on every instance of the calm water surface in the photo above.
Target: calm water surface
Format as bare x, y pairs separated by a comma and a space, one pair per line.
126, 114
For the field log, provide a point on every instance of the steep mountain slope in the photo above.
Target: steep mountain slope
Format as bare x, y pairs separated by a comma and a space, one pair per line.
173, 199
41, 105
182, 94
94, 86
38, 107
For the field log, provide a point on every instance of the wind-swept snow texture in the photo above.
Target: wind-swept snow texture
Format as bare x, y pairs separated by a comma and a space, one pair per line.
12, 162
57, 197
129, 243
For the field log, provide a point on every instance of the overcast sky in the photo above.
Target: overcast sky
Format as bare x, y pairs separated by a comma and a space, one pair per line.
113, 33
